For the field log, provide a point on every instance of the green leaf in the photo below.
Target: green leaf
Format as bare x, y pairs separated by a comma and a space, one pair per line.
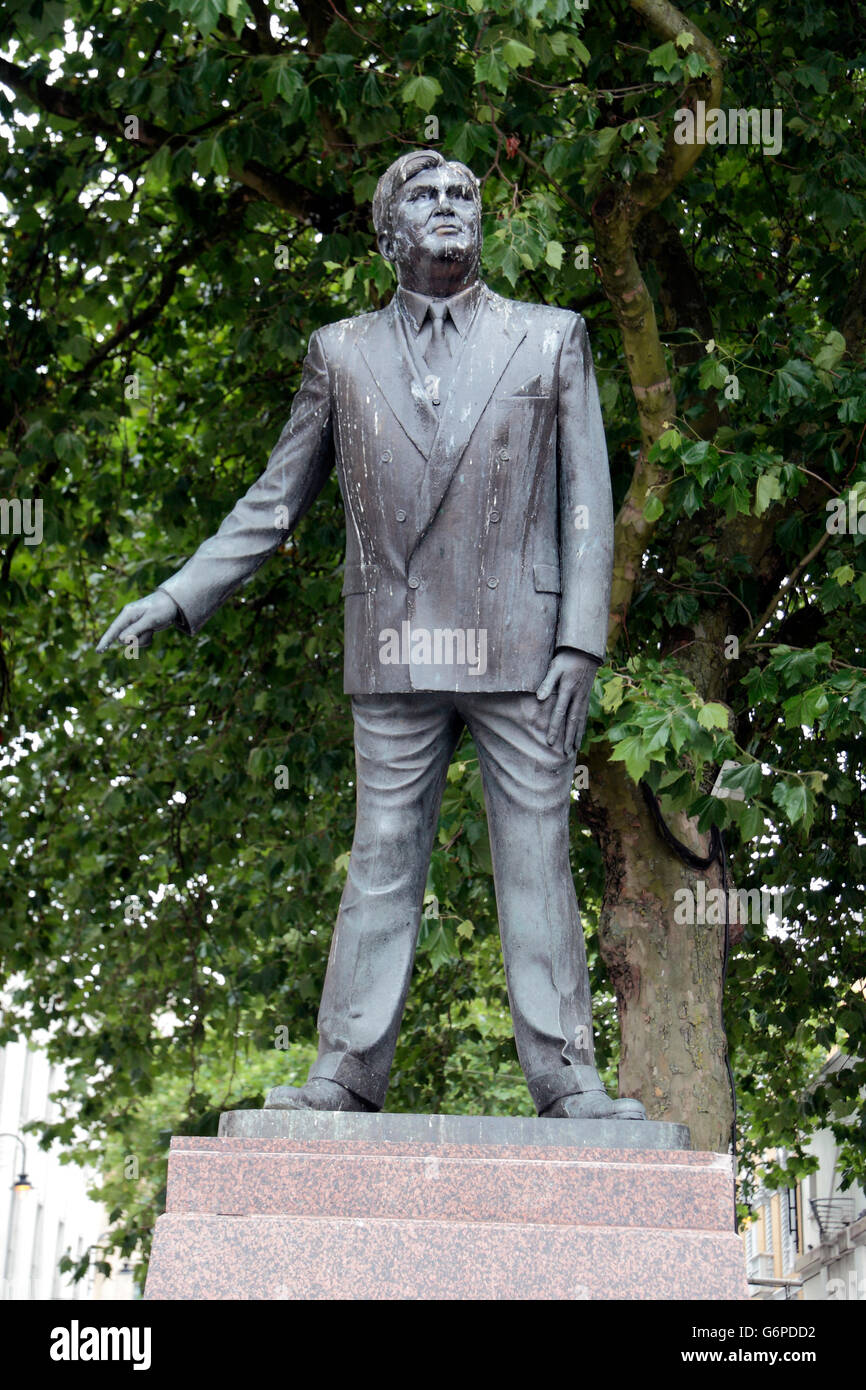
712, 374
832, 350
421, 91
746, 779
606, 138
159, 167
78, 347
713, 716
612, 694
844, 574
664, 56
653, 508
632, 751
767, 490
794, 380
437, 941
670, 441
517, 55
794, 799
489, 67
554, 254
748, 818
210, 156
260, 762
70, 447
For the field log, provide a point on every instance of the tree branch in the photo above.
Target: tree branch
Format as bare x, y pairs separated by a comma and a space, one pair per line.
785, 588
616, 215
66, 104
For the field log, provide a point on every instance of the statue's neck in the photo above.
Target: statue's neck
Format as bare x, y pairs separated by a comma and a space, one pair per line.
438, 279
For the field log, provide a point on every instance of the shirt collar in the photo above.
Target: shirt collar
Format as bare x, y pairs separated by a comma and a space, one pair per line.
461, 306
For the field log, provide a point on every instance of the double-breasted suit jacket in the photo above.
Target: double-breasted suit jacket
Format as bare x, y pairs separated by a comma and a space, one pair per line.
490, 512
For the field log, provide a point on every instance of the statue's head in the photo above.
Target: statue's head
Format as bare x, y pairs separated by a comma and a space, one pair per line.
427, 216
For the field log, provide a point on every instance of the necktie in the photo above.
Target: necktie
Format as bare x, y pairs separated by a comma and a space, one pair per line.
438, 354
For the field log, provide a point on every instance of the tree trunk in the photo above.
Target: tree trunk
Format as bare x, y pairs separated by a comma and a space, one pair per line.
667, 976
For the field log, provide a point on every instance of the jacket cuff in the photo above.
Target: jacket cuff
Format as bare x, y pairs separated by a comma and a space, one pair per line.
590, 656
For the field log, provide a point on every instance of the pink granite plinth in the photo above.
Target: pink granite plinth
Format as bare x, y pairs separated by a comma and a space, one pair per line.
385, 1218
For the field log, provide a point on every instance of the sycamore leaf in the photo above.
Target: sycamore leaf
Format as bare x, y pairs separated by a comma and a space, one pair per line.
768, 490
633, 752
713, 716
663, 57
793, 797
489, 67
517, 54
746, 778
421, 91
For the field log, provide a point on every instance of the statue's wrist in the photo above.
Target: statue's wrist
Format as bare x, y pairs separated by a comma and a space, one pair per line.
578, 651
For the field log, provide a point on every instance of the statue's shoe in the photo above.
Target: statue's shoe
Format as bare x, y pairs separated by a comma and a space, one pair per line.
594, 1105
318, 1094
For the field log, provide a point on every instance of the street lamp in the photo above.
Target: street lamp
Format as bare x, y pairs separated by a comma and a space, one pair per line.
20, 1186
22, 1183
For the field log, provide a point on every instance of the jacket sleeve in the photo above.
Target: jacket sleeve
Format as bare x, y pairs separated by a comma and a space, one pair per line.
585, 501
260, 522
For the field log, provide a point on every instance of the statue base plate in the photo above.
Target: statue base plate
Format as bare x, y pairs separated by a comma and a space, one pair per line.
452, 1129
301, 1205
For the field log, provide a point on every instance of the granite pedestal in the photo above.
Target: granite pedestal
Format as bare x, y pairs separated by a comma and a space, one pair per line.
301, 1206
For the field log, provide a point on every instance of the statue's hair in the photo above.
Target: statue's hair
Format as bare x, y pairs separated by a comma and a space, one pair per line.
404, 169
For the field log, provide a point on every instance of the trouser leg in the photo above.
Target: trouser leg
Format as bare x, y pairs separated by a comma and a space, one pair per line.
527, 789
403, 745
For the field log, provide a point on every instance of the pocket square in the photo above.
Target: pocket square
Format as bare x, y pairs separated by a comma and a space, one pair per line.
533, 388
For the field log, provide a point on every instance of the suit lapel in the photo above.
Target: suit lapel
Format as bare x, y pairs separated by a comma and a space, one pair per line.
488, 347
386, 351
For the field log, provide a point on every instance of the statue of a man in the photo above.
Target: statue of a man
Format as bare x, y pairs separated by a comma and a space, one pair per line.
469, 445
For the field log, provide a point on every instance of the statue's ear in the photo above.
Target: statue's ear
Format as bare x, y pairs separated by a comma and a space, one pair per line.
385, 248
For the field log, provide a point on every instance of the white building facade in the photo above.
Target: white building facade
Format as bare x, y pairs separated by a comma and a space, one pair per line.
54, 1215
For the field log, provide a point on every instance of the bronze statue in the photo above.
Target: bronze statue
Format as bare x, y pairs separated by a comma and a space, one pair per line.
469, 445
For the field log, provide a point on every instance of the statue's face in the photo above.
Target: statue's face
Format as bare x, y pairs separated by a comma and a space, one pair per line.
435, 218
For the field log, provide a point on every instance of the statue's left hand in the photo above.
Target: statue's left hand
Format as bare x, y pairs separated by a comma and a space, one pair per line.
567, 685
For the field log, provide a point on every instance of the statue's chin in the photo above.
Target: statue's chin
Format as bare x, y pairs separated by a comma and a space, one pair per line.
449, 251
452, 253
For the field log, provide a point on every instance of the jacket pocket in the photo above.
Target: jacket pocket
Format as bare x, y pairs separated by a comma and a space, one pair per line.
359, 579
547, 579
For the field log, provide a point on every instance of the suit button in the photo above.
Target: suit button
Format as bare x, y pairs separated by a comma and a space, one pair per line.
400, 514
491, 583
503, 456
414, 581
387, 456
494, 516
